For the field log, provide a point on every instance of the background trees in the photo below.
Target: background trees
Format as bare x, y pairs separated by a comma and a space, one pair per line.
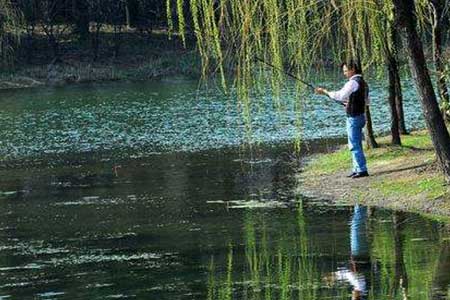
9, 30
75, 21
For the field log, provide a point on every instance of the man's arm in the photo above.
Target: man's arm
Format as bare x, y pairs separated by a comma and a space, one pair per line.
343, 94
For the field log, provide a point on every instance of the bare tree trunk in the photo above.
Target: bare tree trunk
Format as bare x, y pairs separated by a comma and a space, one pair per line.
405, 16
80, 11
117, 35
96, 41
370, 136
398, 85
392, 64
399, 101
30, 43
438, 26
55, 46
368, 132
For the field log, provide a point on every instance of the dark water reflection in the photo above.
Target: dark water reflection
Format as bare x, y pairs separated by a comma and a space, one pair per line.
209, 225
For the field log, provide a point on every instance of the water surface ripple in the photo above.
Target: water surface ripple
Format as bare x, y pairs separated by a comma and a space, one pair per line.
138, 119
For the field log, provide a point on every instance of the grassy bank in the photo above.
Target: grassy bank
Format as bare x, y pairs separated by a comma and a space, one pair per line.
405, 178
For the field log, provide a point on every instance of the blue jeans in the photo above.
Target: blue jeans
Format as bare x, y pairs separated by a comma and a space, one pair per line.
359, 244
355, 126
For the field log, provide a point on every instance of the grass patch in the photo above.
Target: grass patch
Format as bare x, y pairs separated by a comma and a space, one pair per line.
431, 188
417, 144
329, 163
402, 177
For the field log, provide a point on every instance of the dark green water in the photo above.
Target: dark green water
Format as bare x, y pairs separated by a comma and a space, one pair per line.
141, 191
209, 225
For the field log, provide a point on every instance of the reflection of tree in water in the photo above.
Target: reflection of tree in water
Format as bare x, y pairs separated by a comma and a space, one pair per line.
277, 264
441, 274
280, 259
409, 251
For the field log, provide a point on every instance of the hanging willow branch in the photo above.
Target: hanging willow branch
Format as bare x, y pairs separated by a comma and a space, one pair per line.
302, 34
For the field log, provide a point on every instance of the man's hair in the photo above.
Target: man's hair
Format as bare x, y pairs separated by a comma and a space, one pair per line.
352, 65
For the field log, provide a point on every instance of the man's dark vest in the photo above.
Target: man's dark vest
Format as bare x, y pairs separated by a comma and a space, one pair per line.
357, 100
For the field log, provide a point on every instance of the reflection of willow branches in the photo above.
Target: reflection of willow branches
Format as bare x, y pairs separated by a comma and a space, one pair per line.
382, 250
279, 270
253, 259
227, 290
306, 266
217, 290
277, 264
211, 280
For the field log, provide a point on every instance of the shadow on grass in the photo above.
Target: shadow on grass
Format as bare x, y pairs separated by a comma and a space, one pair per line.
402, 169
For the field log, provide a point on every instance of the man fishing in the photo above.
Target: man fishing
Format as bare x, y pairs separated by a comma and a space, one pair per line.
354, 95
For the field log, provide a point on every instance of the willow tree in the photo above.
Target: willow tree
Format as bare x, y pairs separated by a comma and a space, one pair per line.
434, 15
9, 30
234, 33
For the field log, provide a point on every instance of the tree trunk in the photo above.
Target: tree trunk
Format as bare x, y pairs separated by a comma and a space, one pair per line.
398, 85
80, 10
30, 44
96, 41
391, 64
438, 25
368, 132
55, 46
370, 137
399, 101
117, 33
406, 18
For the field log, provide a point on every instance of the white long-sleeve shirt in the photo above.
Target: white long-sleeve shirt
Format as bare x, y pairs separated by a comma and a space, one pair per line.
356, 280
350, 87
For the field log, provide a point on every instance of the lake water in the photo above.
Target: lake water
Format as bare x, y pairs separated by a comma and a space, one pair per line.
137, 119
142, 191
209, 225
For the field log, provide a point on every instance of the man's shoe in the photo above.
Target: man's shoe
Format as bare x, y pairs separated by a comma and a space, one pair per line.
360, 174
351, 174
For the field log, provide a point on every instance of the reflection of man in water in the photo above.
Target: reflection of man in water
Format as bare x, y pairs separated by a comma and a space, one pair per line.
359, 257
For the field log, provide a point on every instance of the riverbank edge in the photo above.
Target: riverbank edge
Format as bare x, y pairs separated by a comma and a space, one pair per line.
402, 178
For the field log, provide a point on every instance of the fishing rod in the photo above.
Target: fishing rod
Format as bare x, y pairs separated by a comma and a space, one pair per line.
296, 78
287, 73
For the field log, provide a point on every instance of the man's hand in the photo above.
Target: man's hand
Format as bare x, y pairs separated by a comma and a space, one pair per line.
321, 91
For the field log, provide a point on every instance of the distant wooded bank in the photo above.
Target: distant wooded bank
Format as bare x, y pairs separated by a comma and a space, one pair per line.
86, 40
